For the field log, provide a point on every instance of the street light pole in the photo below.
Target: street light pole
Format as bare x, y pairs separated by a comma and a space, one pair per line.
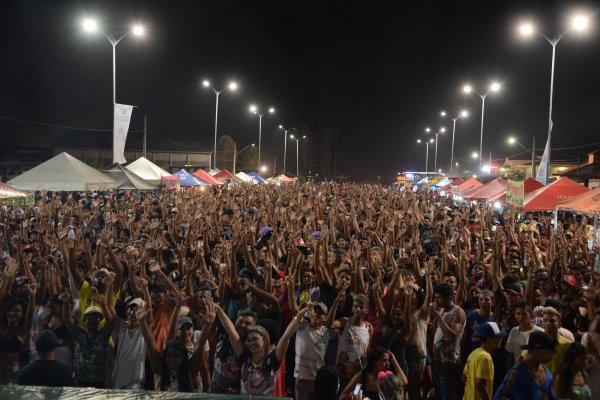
232, 86
442, 130
494, 87
426, 153
92, 26
285, 131
254, 109
454, 119
578, 23
297, 154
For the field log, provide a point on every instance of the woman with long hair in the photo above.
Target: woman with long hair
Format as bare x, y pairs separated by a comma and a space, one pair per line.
175, 371
16, 321
571, 381
379, 361
259, 361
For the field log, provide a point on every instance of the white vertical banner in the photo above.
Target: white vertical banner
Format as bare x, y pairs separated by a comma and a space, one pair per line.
121, 127
542, 172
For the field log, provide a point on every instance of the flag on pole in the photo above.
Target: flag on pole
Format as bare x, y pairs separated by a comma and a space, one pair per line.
544, 169
122, 114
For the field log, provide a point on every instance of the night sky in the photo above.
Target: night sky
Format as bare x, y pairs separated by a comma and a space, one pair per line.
378, 72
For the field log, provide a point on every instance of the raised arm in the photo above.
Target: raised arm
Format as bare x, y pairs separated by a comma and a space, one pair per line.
284, 341
234, 337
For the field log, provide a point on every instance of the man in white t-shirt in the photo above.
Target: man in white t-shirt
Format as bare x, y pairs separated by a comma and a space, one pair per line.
128, 372
311, 343
519, 334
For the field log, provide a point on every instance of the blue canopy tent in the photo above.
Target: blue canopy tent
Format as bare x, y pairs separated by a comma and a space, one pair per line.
187, 179
257, 177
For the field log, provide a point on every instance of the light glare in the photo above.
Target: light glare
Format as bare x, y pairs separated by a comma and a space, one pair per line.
90, 25
464, 113
580, 22
233, 86
443, 113
526, 29
205, 83
271, 110
495, 87
467, 89
138, 30
512, 140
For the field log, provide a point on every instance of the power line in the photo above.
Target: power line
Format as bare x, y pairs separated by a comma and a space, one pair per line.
56, 125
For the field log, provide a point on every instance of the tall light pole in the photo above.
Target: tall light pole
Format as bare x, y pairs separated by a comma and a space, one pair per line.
494, 87
89, 25
463, 114
253, 109
426, 153
512, 140
297, 158
285, 131
442, 130
238, 153
231, 86
578, 23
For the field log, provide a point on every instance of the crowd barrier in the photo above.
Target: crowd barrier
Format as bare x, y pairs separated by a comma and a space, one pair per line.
15, 392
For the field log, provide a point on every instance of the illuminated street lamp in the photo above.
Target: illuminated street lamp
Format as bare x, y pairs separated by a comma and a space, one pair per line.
513, 140
578, 23
285, 131
463, 114
442, 130
426, 153
253, 109
232, 86
91, 26
494, 87
297, 158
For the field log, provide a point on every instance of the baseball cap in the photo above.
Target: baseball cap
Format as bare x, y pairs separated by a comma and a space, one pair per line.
138, 302
21, 280
539, 340
322, 307
183, 321
569, 280
490, 329
103, 270
93, 310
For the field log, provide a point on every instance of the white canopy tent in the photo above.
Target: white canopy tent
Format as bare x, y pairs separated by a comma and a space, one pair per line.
126, 179
245, 177
147, 170
63, 173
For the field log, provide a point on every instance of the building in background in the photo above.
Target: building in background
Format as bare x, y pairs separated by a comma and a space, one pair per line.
226, 153
318, 152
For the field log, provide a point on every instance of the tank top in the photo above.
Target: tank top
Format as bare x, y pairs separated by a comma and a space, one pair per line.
446, 350
418, 333
353, 344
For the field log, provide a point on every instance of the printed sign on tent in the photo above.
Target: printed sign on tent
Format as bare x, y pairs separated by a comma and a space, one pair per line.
121, 127
515, 193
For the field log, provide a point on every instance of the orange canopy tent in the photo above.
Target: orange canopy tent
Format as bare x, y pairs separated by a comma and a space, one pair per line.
286, 179
547, 197
490, 189
468, 186
9, 192
224, 175
207, 178
529, 185
588, 203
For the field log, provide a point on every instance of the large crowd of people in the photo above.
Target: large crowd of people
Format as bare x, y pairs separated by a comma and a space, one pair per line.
312, 291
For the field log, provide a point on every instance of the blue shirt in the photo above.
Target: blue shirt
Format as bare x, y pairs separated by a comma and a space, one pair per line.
523, 387
474, 319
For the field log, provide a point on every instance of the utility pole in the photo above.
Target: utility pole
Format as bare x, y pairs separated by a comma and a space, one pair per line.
533, 159
145, 133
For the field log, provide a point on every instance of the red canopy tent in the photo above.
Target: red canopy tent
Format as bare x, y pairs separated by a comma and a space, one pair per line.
490, 189
286, 179
468, 186
224, 174
207, 178
547, 197
529, 186
588, 202
9, 192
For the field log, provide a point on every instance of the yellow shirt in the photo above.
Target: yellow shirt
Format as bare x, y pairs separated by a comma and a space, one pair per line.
87, 297
479, 366
559, 353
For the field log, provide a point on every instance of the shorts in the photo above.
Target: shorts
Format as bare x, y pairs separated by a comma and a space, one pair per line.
415, 359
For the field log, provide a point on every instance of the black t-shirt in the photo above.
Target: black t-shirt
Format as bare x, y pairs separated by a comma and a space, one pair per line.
328, 295
46, 373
